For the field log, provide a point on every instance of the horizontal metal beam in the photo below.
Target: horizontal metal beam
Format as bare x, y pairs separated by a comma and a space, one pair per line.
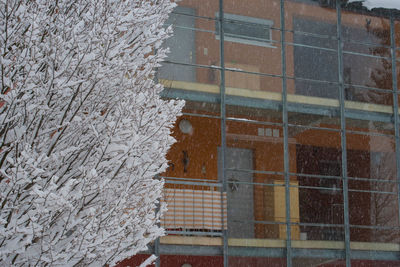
375, 255
318, 253
275, 105
258, 252
190, 250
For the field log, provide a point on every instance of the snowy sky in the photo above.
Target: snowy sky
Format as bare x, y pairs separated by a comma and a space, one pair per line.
380, 3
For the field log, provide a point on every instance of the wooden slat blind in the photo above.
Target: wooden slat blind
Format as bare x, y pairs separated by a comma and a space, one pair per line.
193, 209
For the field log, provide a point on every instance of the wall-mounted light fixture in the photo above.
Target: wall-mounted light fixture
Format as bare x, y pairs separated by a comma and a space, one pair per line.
185, 126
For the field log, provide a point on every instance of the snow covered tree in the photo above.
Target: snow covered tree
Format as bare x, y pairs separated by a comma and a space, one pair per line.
83, 130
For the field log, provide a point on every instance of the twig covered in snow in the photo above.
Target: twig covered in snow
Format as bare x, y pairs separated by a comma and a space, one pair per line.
83, 130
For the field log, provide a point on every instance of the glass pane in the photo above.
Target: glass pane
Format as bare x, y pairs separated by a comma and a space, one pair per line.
377, 263
193, 209
369, 124
262, 9
321, 207
192, 190
263, 143
252, 42
253, 53
255, 206
364, 29
320, 262
313, 32
381, 101
317, 160
194, 39
245, 54
256, 261
373, 197
239, 83
316, 151
312, 43
313, 19
367, 71
398, 64
189, 82
397, 31
372, 38
369, 117
251, 110
373, 216
312, 75
371, 157
366, 35
194, 155
184, 260
300, 118
205, 8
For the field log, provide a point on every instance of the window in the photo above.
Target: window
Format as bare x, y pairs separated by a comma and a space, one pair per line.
246, 30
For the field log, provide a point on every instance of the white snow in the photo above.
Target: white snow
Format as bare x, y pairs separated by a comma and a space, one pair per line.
370, 4
83, 130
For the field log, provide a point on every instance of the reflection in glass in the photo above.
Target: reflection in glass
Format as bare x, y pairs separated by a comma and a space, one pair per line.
371, 157
373, 216
205, 8
254, 149
365, 29
373, 202
260, 9
193, 40
397, 31
191, 82
262, 115
314, 120
369, 124
321, 202
256, 261
312, 76
367, 71
299, 16
250, 85
322, 262
194, 155
264, 141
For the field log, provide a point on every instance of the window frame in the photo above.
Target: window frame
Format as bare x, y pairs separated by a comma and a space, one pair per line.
246, 39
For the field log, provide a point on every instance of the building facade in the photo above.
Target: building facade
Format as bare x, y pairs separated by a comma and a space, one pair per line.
288, 152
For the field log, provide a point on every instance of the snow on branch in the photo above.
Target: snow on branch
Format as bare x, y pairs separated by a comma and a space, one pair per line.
83, 130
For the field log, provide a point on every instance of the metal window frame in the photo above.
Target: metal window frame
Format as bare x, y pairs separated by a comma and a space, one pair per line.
223, 99
242, 39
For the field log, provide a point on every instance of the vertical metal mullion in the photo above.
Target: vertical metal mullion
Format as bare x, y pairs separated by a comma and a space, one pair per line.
223, 134
157, 241
395, 106
285, 140
343, 136
157, 252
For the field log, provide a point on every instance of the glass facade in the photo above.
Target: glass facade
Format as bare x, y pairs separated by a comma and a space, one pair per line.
288, 150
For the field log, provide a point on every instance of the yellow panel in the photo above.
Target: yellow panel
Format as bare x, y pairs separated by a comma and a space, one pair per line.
316, 244
375, 246
191, 240
280, 208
